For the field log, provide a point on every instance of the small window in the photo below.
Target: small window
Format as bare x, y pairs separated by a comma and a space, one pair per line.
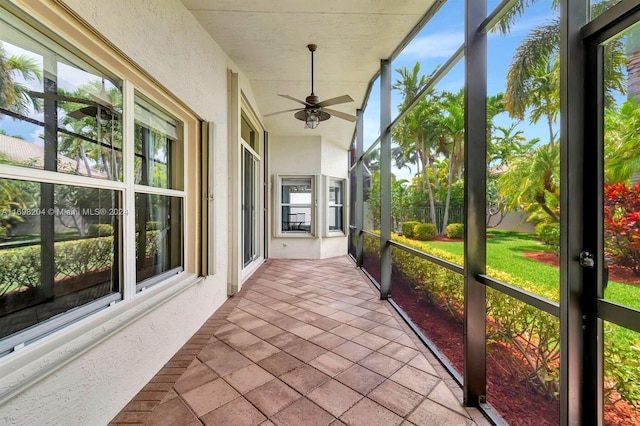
159, 204
297, 202
335, 206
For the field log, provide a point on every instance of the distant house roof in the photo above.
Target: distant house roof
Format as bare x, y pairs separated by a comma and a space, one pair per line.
24, 152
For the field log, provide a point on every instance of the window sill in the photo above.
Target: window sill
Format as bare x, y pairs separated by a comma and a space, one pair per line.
333, 234
295, 235
23, 368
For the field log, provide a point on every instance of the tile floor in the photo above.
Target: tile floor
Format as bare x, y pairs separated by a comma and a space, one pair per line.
305, 342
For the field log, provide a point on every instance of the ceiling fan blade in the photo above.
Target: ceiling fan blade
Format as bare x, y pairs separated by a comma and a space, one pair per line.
334, 101
339, 114
294, 99
281, 112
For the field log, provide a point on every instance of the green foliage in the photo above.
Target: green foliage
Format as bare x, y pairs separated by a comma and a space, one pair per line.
100, 230
532, 331
549, 234
529, 331
20, 267
79, 257
622, 362
454, 230
407, 228
424, 231
153, 225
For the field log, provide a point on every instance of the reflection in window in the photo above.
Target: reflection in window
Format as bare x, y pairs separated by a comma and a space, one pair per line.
158, 235
77, 228
66, 118
296, 198
158, 147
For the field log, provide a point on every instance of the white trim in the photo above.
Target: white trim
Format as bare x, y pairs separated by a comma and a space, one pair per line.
277, 215
327, 206
143, 189
58, 178
128, 263
210, 200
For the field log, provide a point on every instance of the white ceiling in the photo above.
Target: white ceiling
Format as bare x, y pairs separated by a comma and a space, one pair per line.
267, 39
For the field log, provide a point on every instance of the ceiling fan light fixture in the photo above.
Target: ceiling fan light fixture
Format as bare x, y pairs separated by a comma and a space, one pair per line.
312, 120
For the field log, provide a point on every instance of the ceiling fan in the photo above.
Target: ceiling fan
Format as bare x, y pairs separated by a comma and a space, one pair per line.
315, 111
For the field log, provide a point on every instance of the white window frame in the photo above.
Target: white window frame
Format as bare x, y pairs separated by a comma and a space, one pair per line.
278, 231
141, 286
129, 290
328, 204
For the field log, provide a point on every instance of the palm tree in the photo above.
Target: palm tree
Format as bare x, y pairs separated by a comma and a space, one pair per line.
532, 181
410, 83
533, 79
15, 96
452, 131
416, 133
622, 145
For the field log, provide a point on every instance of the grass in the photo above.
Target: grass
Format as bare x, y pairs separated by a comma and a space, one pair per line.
505, 252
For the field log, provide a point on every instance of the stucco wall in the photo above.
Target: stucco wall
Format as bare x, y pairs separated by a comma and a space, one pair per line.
78, 378
308, 155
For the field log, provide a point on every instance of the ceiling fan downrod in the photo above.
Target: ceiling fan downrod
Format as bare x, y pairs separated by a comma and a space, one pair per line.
312, 48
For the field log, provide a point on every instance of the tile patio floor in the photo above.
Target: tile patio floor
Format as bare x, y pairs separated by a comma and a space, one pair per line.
305, 342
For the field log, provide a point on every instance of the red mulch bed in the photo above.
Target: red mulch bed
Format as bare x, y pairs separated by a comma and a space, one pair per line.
516, 401
616, 273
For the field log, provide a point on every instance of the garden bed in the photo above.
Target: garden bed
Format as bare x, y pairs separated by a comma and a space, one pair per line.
517, 402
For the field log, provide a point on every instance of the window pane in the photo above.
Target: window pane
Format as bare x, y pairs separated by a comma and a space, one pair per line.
158, 235
621, 375
57, 112
59, 249
247, 133
523, 149
296, 219
523, 361
335, 218
158, 147
335, 191
296, 191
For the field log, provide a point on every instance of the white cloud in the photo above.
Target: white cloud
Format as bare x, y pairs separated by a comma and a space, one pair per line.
438, 45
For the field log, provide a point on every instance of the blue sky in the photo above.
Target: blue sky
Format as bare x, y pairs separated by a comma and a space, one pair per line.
439, 39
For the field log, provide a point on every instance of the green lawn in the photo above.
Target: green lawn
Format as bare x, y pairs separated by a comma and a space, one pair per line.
505, 253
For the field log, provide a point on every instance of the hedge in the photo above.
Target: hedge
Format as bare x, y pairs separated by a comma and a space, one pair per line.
531, 332
20, 267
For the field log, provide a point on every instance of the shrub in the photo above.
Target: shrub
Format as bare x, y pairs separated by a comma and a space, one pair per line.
153, 225
78, 257
407, 228
424, 231
530, 331
622, 224
454, 230
20, 267
549, 234
101, 230
533, 333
